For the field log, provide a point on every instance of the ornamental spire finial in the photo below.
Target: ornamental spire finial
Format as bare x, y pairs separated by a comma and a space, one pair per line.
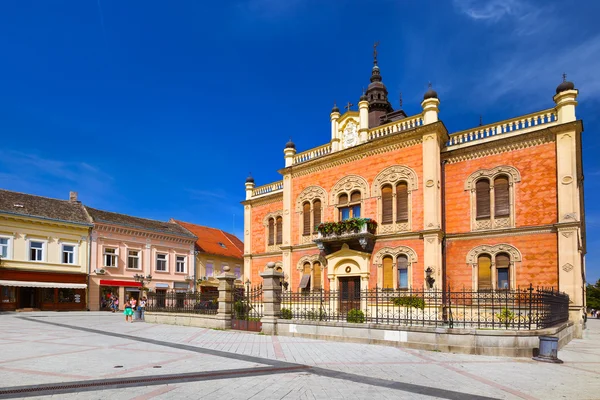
375, 52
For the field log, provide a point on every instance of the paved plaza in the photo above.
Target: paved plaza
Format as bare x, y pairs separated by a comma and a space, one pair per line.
92, 355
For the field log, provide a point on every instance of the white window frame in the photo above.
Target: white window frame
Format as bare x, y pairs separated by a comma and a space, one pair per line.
44, 249
138, 257
166, 260
115, 255
9, 247
75, 253
238, 271
212, 267
178, 263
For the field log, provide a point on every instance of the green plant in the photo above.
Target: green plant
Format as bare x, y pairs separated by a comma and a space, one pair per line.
356, 316
316, 315
409, 301
286, 313
241, 309
505, 316
351, 225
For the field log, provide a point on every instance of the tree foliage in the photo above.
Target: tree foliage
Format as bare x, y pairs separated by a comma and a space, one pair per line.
593, 296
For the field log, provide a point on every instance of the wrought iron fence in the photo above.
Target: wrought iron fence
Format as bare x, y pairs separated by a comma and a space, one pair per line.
183, 302
247, 308
520, 309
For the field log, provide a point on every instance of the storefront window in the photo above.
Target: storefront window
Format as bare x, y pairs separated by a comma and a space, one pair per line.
48, 295
107, 293
7, 294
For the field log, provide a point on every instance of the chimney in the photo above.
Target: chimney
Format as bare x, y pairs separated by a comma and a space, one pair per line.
73, 197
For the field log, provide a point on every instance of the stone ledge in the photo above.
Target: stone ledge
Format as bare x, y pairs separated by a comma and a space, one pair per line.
183, 319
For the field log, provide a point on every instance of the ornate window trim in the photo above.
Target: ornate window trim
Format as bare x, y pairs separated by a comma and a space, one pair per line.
310, 194
493, 250
392, 176
312, 259
394, 252
347, 185
274, 215
514, 176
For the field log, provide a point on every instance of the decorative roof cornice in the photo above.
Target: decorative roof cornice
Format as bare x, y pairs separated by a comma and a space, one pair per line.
43, 220
266, 199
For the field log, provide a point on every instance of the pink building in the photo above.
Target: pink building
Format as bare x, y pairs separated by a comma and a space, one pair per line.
124, 247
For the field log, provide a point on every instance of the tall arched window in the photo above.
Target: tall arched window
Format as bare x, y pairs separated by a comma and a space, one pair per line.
316, 275
306, 215
305, 281
388, 272
279, 229
484, 272
402, 271
483, 198
271, 231
502, 271
355, 204
402, 202
387, 201
316, 214
349, 209
501, 197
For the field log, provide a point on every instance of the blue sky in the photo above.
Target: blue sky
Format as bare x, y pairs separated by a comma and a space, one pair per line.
160, 109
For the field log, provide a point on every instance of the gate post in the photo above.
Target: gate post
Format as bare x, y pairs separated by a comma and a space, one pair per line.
271, 299
226, 286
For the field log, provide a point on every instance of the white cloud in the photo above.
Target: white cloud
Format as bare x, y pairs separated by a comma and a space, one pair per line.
491, 10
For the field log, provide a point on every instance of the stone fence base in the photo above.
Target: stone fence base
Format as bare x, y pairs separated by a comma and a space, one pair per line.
196, 320
506, 343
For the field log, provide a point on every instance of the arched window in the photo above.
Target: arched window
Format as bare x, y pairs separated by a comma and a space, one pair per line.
484, 272
388, 272
349, 209
503, 271
387, 216
402, 202
271, 231
402, 271
306, 215
316, 275
483, 198
501, 197
305, 281
316, 214
279, 229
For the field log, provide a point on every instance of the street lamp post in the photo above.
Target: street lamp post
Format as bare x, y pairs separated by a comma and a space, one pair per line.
142, 279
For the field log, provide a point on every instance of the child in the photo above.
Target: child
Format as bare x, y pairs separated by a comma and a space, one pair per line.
128, 312
115, 304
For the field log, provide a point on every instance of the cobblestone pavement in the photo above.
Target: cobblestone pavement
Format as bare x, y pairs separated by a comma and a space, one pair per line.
98, 356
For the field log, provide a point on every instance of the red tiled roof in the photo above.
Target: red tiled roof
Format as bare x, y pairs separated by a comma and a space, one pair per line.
215, 241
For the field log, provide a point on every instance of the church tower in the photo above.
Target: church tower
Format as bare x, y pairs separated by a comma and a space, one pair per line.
377, 95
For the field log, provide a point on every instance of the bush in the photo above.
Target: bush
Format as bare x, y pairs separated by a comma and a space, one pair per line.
286, 313
409, 301
356, 316
315, 315
506, 316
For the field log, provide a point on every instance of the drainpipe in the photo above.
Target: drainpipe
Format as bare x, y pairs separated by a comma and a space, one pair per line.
194, 282
444, 278
89, 268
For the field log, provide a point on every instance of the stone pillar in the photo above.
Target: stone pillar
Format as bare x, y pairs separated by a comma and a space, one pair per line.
335, 140
226, 287
271, 299
249, 189
430, 110
363, 112
289, 153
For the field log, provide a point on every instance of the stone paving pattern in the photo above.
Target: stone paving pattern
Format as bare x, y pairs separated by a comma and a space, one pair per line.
46, 348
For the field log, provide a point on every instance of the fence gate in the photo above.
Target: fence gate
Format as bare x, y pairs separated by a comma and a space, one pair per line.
247, 308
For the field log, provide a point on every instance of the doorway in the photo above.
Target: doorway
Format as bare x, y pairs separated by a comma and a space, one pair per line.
27, 297
349, 293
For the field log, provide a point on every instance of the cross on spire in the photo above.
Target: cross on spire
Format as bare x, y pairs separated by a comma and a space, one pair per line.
401, 100
564, 77
375, 52
347, 107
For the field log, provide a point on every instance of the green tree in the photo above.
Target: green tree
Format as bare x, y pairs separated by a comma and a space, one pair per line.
593, 296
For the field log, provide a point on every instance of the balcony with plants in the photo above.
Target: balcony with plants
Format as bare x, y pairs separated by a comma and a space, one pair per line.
358, 233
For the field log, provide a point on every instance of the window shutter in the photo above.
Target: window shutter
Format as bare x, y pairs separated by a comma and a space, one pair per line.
355, 196
484, 272
402, 202
271, 231
386, 205
279, 230
306, 268
501, 197
482, 192
343, 199
317, 275
388, 273
306, 216
316, 214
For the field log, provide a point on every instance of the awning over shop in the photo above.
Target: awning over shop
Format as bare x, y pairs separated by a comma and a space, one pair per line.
60, 285
111, 282
305, 281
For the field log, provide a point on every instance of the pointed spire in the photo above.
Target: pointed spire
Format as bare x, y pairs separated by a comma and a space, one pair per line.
335, 108
375, 53
565, 85
400, 102
480, 119
363, 97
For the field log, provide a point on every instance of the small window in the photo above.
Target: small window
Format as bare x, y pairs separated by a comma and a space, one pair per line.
271, 231
238, 272
279, 229
502, 271
222, 245
4, 247
209, 269
180, 264
403, 271
316, 214
388, 273
68, 254
110, 257
317, 275
501, 197
484, 272
352, 210
306, 219
402, 202
482, 189
133, 259
387, 216
36, 251
161, 262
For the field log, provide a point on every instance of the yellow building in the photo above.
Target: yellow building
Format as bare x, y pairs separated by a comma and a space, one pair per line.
44, 250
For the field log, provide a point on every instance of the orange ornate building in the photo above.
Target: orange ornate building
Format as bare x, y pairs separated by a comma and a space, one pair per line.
397, 201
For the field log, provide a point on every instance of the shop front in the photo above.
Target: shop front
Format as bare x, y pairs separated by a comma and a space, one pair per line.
27, 290
110, 289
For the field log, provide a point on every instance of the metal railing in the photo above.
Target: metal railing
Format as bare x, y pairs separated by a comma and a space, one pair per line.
182, 302
520, 309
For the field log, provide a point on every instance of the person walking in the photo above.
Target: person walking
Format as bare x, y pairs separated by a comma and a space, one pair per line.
133, 303
142, 307
115, 304
128, 312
